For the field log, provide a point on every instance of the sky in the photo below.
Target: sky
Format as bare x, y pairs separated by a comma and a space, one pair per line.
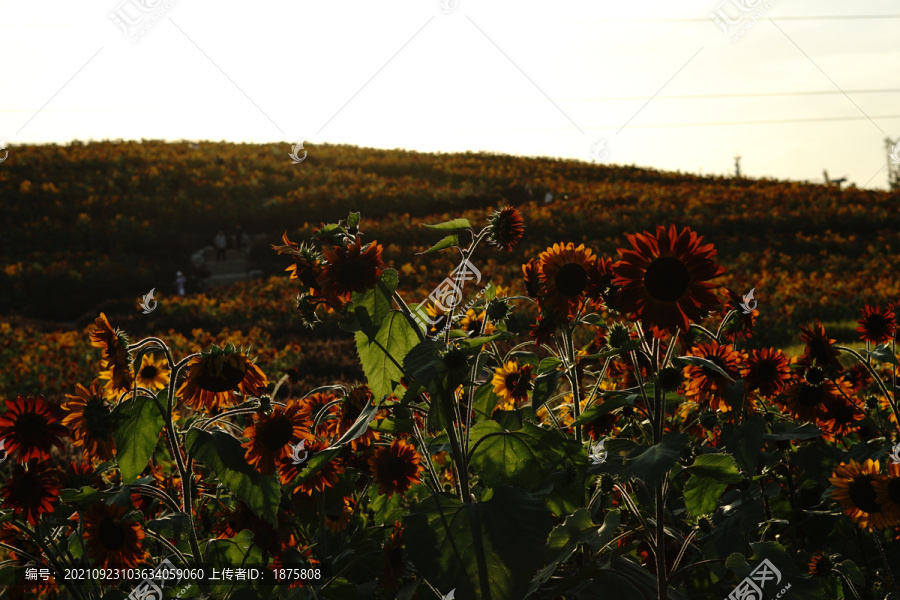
793, 87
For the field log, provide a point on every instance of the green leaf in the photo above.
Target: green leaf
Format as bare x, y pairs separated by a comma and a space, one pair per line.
544, 388
369, 308
478, 342
701, 495
652, 464
484, 550
806, 431
549, 364
698, 361
517, 458
84, 496
138, 424
883, 353
486, 400
852, 572
359, 425
232, 553
353, 220
316, 462
455, 224
224, 455
171, 526
720, 467
448, 242
396, 337
745, 442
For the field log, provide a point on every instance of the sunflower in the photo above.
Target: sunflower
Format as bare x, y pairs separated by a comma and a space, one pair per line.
563, 276
216, 373
354, 268
31, 427
839, 419
546, 326
153, 373
600, 284
856, 488
31, 491
506, 228
307, 261
767, 371
665, 278
311, 406
740, 326
91, 421
325, 477
392, 565
888, 490
114, 344
819, 347
706, 386
338, 521
808, 396
113, 541
472, 324
396, 467
819, 565
876, 324
437, 319
269, 436
512, 382
531, 274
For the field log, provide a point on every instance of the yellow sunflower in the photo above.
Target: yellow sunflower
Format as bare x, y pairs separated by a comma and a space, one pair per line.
153, 373
856, 488
472, 322
512, 382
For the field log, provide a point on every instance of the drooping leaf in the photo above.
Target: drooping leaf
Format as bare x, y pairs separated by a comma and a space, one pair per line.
522, 458
359, 425
785, 432
651, 464
698, 361
223, 454
484, 550
544, 388
883, 353
447, 242
138, 424
395, 338
745, 442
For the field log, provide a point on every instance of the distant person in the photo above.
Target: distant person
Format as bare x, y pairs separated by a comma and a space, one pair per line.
180, 280
221, 245
238, 237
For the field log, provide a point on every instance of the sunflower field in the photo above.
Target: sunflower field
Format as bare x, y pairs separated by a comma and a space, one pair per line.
535, 405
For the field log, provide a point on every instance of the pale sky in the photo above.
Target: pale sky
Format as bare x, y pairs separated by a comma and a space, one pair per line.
526, 78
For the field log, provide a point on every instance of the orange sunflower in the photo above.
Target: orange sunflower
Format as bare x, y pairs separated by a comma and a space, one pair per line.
153, 373
307, 261
215, 374
113, 541
665, 278
531, 274
507, 228
325, 477
31, 491
339, 520
819, 565
396, 467
767, 371
707, 387
810, 393
563, 276
30, 426
354, 268
856, 488
91, 421
270, 436
512, 382
876, 324
889, 491
312, 405
114, 344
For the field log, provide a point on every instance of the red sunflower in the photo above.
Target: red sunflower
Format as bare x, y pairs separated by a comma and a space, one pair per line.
819, 347
396, 467
876, 324
768, 371
31, 427
856, 488
665, 278
215, 374
312, 405
112, 540
810, 393
507, 228
307, 261
270, 437
840, 418
354, 268
31, 491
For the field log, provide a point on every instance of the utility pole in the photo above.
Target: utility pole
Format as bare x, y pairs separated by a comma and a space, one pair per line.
737, 166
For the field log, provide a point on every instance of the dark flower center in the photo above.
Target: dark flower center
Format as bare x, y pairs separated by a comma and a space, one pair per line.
276, 433
667, 279
863, 494
31, 427
517, 383
149, 372
98, 418
810, 395
877, 326
767, 371
815, 376
893, 489
842, 413
111, 534
228, 379
353, 273
570, 280
455, 359
29, 490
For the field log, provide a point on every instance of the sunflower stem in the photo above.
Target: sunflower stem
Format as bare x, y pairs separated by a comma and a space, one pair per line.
465, 257
569, 344
662, 585
404, 308
887, 565
877, 378
459, 459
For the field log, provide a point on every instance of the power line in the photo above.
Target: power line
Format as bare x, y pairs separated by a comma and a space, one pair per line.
787, 18
723, 123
